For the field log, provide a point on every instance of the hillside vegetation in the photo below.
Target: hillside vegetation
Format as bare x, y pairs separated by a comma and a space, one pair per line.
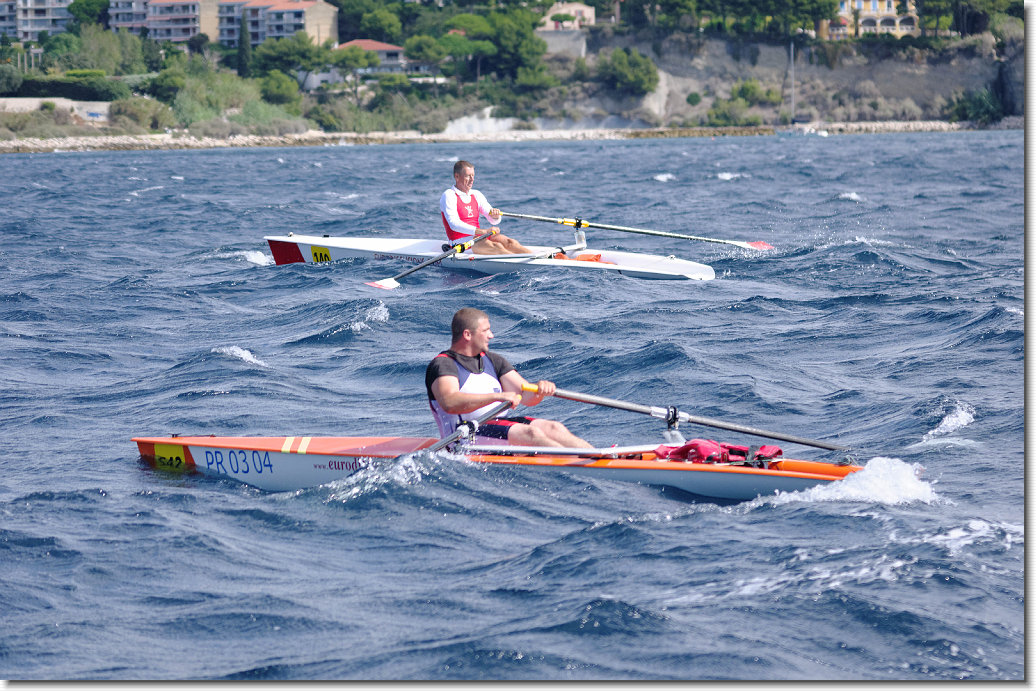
729, 72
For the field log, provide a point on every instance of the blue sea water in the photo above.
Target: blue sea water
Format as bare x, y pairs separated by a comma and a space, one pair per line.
137, 297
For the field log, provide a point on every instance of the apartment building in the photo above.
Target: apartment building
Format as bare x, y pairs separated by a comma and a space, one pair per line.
130, 15
9, 19
34, 16
265, 19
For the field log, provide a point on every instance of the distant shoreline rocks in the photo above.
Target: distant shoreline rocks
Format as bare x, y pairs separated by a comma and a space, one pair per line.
318, 138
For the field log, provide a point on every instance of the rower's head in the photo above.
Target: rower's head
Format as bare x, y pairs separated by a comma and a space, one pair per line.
471, 331
464, 175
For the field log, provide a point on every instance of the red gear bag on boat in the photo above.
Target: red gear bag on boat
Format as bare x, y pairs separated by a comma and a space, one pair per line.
709, 451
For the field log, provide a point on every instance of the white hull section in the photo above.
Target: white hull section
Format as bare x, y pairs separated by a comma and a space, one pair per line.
414, 250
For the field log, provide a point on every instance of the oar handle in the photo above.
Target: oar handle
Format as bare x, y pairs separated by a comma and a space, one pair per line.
672, 415
468, 427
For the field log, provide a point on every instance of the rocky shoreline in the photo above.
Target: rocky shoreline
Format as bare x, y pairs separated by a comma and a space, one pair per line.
317, 138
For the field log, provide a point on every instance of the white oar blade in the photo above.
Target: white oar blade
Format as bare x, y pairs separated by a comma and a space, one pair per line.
387, 284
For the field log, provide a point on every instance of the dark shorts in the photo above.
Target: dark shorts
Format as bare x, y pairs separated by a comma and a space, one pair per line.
498, 428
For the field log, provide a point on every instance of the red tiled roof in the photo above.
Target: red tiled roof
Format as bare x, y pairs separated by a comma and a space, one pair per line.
370, 44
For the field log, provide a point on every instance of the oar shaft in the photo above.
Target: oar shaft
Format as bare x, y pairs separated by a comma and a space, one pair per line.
671, 414
464, 429
460, 247
713, 423
580, 223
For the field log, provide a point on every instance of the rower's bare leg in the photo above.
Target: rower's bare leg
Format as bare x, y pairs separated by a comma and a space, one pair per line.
544, 433
499, 245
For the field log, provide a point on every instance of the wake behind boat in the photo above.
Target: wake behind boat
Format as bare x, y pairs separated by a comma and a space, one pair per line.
291, 463
294, 248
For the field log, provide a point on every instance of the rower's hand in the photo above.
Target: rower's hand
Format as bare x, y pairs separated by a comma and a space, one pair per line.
514, 397
546, 388
495, 215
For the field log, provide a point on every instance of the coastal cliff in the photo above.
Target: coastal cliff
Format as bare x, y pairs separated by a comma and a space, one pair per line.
834, 81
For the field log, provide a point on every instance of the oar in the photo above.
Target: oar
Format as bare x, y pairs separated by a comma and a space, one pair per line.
465, 428
392, 282
671, 415
580, 223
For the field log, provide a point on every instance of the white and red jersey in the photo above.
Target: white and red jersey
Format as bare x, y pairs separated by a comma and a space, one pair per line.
460, 213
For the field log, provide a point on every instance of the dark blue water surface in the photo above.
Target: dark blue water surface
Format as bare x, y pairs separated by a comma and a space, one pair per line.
137, 297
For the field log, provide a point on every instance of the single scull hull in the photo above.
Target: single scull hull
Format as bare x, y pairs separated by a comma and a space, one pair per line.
290, 463
309, 248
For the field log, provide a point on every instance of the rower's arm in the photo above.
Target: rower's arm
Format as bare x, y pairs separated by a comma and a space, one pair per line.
513, 382
446, 390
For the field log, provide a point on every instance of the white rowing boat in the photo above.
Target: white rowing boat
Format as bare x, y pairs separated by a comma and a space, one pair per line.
294, 248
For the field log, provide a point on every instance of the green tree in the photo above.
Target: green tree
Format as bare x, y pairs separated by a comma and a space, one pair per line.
10, 79
628, 71
279, 88
560, 18
99, 49
381, 25
928, 12
534, 79
132, 53
167, 84
474, 26
65, 51
196, 44
980, 106
244, 49
353, 58
426, 51
296, 55
473, 44
151, 53
88, 12
517, 45
350, 14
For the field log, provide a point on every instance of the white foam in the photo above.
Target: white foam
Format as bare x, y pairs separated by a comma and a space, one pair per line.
136, 193
407, 470
977, 531
870, 241
241, 353
884, 480
664, 177
259, 258
376, 314
963, 414
253, 256
852, 196
729, 176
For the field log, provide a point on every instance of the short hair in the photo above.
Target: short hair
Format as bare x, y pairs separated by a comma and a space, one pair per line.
460, 166
466, 318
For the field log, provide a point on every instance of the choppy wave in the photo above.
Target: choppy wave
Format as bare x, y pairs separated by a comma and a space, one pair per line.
888, 317
240, 353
